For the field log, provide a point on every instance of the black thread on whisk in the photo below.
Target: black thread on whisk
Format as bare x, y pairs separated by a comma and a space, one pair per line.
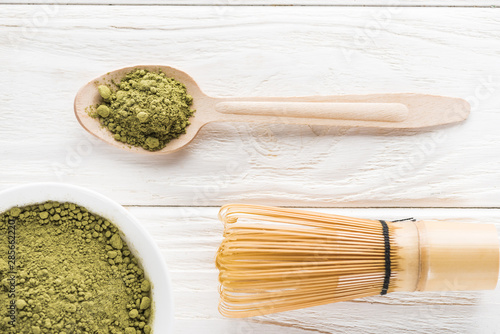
405, 220
387, 257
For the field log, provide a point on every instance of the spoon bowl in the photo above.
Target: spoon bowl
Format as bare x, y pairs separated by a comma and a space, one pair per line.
385, 111
89, 96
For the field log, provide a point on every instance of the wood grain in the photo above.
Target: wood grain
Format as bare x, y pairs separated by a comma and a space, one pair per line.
405, 3
190, 237
48, 52
258, 51
273, 164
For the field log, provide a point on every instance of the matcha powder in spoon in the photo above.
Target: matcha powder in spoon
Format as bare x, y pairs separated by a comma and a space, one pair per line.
146, 109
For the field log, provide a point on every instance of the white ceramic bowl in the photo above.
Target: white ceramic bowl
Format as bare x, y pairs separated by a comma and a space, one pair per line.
137, 238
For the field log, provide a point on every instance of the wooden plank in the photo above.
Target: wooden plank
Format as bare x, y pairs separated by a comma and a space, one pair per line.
352, 3
189, 238
48, 53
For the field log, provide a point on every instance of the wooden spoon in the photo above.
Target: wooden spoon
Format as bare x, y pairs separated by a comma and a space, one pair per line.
390, 111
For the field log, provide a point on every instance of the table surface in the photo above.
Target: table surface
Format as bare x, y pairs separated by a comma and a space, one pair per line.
249, 48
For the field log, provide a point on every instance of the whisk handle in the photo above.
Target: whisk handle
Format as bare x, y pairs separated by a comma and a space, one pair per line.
449, 256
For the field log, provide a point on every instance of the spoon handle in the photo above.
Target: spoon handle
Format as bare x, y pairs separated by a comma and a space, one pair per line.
379, 111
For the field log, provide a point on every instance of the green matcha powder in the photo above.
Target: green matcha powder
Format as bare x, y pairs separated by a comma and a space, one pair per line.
74, 274
146, 109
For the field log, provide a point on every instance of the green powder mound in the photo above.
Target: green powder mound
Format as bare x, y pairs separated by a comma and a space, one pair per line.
146, 109
70, 272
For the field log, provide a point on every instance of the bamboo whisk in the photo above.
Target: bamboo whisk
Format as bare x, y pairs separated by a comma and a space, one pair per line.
276, 259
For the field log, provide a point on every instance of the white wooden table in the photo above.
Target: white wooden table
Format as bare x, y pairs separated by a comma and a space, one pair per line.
316, 47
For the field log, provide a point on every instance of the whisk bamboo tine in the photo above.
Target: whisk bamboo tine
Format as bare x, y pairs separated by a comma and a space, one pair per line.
279, 259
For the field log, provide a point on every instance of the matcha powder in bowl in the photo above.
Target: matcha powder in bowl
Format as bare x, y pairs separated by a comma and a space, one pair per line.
74, 274
67, 269
145, 109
